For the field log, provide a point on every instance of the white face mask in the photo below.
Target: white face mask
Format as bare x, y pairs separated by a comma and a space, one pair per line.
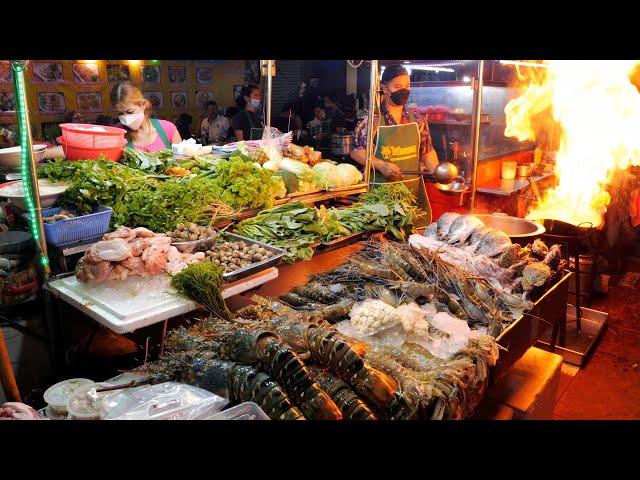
132, 120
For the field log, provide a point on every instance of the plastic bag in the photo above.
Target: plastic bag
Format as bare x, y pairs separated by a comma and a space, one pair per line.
273, 143
165, 401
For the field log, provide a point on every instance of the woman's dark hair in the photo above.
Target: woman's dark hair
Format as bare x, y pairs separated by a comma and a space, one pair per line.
183, 123
333, 97
246, 92
105, 120
210, 103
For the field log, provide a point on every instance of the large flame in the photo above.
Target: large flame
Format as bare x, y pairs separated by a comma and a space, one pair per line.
598, 111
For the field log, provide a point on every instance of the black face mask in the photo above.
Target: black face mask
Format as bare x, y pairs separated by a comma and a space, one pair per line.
400, 97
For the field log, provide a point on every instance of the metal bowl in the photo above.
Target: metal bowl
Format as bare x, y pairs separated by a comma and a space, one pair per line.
455, 187
12, 156
520, 230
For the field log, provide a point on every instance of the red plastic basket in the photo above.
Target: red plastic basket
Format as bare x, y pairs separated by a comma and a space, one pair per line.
75, 153
82, 135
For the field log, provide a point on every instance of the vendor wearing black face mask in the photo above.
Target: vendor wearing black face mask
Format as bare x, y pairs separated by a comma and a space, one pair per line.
402, 139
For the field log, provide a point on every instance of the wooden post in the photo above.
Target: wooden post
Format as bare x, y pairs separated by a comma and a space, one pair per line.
6, 373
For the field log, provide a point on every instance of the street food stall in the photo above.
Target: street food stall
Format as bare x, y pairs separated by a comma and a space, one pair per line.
293, 286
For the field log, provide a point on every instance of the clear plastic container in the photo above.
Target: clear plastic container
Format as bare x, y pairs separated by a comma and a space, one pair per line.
58, 395
87, 404
243, 411
509, 169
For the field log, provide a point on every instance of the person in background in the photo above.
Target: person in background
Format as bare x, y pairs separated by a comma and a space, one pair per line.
402, 141
143, 132
394, 113
300, 136
334, 115
183, 124
104, 120
8, 138
318, 128
229, 113
284, 121
75, 117
315, 125
246, 123
214, 128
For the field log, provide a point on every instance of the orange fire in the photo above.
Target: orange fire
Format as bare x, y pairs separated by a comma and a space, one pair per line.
598, 111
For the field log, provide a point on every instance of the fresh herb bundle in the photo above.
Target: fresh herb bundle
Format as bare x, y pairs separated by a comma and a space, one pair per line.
202, 283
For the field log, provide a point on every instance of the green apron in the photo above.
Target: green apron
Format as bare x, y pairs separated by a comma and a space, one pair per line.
160, 130
400, 144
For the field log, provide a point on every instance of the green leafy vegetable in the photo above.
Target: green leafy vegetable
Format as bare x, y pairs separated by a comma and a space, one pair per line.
155, 162
202, 283
241, 184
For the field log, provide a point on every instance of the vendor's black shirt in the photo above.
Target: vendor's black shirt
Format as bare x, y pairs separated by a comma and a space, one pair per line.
245, 120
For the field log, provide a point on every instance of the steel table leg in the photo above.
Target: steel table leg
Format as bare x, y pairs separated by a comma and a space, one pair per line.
577, 281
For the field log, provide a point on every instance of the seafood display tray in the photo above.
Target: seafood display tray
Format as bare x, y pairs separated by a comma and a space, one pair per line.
523, 333
347, 239
252, 268
126, 306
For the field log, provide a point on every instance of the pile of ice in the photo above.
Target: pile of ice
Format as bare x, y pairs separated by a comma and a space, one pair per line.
130, 296
190, 147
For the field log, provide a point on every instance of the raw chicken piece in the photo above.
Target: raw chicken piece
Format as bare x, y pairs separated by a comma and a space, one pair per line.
114, 250
148, 242
119, 272
18, 411
137, 247
122, 232
143, 232
178, 263
91, 257
134, 265
154, 259
173, 255
98, 272
128, 252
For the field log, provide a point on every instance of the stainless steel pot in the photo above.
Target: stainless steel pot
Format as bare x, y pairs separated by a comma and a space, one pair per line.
520, 230
341, 144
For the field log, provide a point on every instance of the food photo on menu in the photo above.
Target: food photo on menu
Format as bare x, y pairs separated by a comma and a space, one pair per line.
86, 72
46, 72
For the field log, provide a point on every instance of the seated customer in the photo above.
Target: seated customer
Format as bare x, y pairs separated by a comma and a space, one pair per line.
214, 128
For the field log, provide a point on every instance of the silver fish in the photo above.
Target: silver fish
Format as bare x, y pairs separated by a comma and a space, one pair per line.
462, 228
431, 230
494, 243
444, 223
477, 235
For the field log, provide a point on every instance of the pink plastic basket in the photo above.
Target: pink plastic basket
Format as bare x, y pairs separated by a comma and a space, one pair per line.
80, 135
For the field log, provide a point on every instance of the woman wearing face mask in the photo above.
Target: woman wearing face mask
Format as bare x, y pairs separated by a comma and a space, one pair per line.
143, 132
246, 124
401, 138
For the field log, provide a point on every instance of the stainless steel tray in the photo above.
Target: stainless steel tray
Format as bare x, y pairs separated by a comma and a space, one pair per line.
252, 268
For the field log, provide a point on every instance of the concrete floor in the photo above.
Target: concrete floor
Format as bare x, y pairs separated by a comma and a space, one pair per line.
608, 386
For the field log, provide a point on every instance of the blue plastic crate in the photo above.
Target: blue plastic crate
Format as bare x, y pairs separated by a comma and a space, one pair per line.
76, 229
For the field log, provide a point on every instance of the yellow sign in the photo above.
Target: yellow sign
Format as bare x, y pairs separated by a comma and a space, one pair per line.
395, 154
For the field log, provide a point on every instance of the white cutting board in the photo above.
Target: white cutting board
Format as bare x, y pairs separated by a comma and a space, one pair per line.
127, 305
